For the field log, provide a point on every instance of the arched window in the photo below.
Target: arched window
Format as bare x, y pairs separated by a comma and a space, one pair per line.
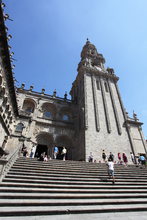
65, 114
106, 87
65, 117
49, 110
28, 106
19, 127
98, 84
47, 114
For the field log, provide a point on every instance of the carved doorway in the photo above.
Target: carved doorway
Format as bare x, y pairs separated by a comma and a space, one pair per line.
64, 141
41, 149
45, 143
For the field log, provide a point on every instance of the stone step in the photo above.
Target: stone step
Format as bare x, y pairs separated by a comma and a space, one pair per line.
62, 163
81, 170
53, 202
80, 186
70, 164
51, 210
69, 174
73, 178
73, 196
69, 182
73, 162
33, 188
71, 190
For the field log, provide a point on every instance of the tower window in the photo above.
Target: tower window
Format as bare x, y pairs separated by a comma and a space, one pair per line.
98, 84
106, 87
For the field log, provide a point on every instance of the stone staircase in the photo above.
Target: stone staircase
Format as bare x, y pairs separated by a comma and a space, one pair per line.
33, 188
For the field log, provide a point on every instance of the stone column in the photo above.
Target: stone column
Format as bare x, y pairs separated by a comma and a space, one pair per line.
142, 138
105, 107
114, 109
125, 121
95, 103
85, 100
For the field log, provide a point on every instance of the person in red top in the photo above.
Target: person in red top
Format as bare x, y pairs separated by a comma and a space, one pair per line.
119, 157
125, 159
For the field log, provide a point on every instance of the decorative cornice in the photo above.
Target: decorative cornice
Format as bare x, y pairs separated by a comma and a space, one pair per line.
137, 123
97, 72
43, 96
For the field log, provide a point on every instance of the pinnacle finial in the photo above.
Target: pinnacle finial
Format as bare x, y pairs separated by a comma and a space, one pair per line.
88, 41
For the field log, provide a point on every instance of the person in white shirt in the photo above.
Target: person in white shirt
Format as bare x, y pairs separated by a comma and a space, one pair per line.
110, 165
63, 153
132, 157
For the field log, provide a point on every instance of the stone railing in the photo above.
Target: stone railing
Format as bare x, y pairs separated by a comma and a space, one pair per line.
7, 161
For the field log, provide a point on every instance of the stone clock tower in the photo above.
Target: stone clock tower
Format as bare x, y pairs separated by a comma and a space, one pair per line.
101, 121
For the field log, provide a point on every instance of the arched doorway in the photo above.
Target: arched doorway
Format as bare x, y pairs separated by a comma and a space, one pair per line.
44, 144
64, 141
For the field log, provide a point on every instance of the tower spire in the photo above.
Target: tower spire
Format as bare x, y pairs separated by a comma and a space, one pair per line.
90, 57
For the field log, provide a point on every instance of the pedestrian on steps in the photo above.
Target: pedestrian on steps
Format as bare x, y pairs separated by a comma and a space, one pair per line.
119, 158
33, 150
125, 159
110, 165
132, 157
104, 155
90, 158
63, 153
111, 157
55, 152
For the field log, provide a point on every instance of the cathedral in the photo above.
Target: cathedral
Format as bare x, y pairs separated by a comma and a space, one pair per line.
93, 120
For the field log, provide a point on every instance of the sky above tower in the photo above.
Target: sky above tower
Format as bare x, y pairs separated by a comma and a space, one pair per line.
48, 37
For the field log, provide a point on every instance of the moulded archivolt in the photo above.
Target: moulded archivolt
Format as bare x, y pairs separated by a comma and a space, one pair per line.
1, 79
2, 91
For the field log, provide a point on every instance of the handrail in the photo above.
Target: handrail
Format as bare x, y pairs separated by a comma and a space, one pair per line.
7, 162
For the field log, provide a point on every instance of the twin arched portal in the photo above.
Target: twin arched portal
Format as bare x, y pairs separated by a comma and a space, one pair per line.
46, 143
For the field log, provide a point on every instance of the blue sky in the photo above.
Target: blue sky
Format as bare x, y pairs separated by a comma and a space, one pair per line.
48, 37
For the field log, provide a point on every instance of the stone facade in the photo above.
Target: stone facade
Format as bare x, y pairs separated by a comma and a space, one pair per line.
94, 119
8, 104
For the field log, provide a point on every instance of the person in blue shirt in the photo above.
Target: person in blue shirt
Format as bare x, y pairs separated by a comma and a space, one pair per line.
142, 160
55, 152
